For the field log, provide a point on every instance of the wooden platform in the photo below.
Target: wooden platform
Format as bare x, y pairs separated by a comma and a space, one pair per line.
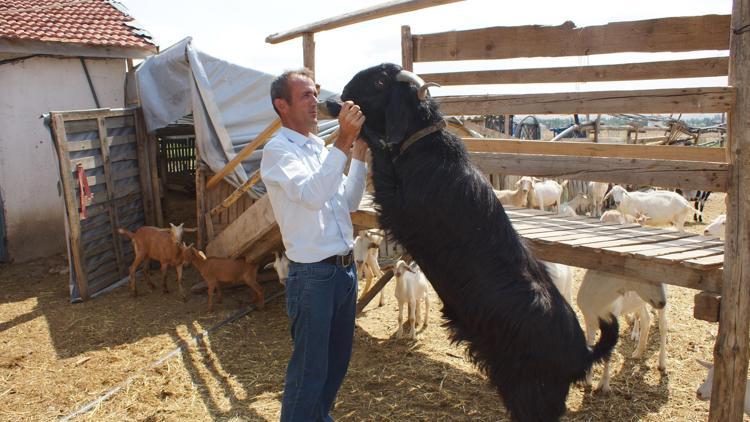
653, 254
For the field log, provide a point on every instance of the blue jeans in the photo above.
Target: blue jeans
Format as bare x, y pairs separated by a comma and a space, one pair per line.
321, 301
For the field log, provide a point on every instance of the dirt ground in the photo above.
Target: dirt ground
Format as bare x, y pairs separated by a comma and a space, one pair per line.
57, 357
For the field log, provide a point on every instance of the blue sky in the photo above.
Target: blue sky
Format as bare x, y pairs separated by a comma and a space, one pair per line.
235, 30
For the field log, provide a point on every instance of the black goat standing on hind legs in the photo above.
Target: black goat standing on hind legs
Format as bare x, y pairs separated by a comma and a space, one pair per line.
497, 297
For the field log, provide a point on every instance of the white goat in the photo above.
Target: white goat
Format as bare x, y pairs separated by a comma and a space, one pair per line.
281, 265
411, 288
716, 228
704, 391
562, 277
662, 207
366, 250
614, 216
568, 209
544, 193
603, 293
597, 191
517, 197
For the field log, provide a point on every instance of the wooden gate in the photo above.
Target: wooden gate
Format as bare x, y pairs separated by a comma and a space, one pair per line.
108, 175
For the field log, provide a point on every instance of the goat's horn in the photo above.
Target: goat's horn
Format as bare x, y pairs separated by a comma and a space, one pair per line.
422, 94
411, 77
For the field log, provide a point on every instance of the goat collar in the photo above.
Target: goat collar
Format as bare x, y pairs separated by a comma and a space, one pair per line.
421, 134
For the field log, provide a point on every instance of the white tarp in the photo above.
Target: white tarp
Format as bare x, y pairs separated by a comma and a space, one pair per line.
230, 104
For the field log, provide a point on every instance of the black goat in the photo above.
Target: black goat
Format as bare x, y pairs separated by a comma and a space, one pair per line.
497, 297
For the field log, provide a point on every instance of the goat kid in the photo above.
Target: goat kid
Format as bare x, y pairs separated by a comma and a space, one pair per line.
611, 294
704, 391
717, 227
496, 296
158, 244
365, 251
281, 265
226, 270
411, 289
545, 193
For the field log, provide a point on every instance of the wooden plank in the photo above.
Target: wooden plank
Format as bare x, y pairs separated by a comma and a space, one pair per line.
103, 269
706, 307
709, 261
100, 179
689, 33
361, 15
589, 149
90, 125
92, 162
94, 114
731, 349
683, 243
244, 153
264, 246
647, 237
96, 250
683, 100
94, 143
147, 196
236, 238
110, 186
692, 68
58, 129
665, 173
692, 254
407, 49
200, 200
308, 51
153, 172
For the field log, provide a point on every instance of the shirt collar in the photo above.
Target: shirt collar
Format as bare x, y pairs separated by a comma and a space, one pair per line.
300, 139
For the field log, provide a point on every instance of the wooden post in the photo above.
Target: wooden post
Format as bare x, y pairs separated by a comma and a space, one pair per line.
147, 196
151, 142
731, 349
507, 125
407, 49
308, 51
374, 290
76, 246
200, 200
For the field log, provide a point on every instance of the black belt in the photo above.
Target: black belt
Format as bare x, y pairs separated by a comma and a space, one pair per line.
343, 260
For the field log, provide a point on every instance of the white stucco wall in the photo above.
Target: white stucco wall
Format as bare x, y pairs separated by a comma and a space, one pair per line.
34, 215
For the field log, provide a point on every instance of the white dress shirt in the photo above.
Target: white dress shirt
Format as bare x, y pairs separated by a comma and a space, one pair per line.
310, 195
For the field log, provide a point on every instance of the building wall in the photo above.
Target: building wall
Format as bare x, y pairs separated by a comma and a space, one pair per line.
34, 207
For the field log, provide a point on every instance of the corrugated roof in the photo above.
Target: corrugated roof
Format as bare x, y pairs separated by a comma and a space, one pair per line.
102, 23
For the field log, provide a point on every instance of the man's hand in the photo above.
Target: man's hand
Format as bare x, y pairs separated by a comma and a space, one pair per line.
359, 150
350, 123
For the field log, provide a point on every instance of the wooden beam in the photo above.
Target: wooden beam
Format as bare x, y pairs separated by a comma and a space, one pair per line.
689, 33
664, 173
731, 349
693, 68
244, 153
683, 100
407, 50
69, 193
237, 194
588, 149
707, 306
362, 15
156, 190
374, 290
308, 51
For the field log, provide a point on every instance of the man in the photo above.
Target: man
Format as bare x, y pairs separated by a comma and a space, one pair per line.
312, 199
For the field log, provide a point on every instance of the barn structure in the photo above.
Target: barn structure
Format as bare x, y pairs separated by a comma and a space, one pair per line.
53, 57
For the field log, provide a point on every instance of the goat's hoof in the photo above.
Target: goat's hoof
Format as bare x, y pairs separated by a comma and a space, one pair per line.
399, 334
662, 368
636, 355
603, 389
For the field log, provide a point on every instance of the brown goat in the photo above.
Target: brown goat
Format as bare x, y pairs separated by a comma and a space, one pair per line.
225, 270
159, 244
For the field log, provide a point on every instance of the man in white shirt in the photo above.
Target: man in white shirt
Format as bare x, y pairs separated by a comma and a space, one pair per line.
311, 200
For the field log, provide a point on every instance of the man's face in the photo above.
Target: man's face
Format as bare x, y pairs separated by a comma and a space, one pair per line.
301, 114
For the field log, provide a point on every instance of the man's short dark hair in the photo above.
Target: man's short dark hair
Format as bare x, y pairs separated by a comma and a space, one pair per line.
280, 85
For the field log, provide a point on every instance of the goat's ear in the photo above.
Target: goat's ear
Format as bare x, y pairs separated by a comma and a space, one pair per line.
397, 114
172, 226
202, 255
